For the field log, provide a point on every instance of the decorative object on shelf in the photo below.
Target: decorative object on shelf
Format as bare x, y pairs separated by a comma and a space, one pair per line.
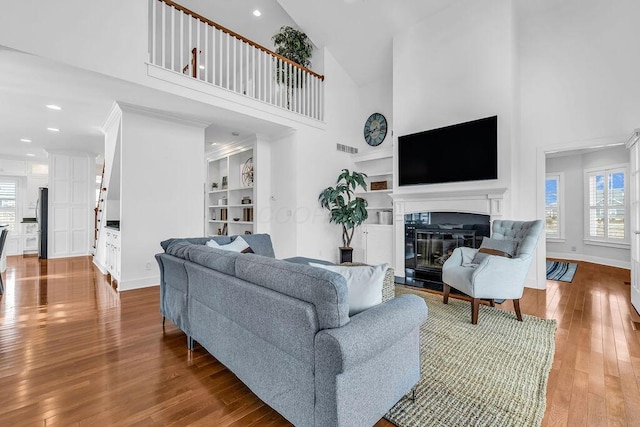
236, 219
246, 200
222, 202
385, 217
378, 185
213, 215
375, 129
223, 214
246, 173
214, 185
225, 230
345, 208
247, 232
224, 183
247, 214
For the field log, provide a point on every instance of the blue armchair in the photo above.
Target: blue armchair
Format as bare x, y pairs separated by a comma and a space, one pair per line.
494, 277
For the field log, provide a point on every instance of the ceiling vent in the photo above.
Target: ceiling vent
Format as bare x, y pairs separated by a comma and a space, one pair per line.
346, 149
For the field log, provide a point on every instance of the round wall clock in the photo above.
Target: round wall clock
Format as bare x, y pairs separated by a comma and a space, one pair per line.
375, 129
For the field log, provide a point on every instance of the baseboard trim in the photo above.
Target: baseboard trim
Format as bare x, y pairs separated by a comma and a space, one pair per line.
101, 267
587, 258
143, 282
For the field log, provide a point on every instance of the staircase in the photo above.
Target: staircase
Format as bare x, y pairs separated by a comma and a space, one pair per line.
98, 210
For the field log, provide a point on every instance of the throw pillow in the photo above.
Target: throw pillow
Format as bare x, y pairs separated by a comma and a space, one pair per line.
505, 248
237, 245
364, 284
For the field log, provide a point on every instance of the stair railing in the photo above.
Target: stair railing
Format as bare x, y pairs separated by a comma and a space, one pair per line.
188, 43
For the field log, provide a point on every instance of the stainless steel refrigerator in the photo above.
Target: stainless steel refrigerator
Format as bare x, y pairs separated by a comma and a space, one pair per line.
42, 216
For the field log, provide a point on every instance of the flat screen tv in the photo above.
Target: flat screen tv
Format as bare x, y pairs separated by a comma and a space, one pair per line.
462, 152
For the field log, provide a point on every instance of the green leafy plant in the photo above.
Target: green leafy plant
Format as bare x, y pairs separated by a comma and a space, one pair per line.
345, 208
294, 45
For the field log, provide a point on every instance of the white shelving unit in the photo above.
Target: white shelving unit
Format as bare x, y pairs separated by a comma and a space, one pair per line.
377, 239
378, 165
224, 204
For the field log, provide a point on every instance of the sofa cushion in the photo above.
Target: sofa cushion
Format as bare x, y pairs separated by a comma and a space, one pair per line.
364, 283
326, 290
237, 245
216, 259
260, 244
222, 240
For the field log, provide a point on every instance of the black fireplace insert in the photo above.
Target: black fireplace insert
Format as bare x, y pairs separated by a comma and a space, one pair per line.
431, 237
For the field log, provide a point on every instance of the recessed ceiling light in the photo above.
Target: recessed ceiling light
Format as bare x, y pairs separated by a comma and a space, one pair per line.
235, 133
214, 143
201, 67
54, 107
257, 13
53, 129
31, 155
25, 140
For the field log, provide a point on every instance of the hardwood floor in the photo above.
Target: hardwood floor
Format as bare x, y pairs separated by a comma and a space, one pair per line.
74, 352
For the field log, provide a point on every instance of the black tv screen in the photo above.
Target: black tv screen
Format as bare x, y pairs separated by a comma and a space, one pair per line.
462, 152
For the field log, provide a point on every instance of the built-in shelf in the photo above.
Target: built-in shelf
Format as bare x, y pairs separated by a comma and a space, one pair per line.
216, 191
360, 193
246, 205
219, 206
219, 221
379, 174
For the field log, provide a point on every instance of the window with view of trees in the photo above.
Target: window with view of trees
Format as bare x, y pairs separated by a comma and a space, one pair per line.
552, 206
8, 213
606, 200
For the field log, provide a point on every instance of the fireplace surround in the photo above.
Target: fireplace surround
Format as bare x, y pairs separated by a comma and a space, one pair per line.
451, 210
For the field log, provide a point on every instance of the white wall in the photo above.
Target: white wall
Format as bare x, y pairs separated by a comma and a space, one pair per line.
162, 181
577, 81
376, 97
108, 37
454, 67
573, 167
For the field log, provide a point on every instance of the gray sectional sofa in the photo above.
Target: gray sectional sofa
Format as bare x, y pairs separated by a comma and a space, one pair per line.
283, 328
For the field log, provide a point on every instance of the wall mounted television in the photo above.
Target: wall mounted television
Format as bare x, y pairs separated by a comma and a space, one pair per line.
461, 152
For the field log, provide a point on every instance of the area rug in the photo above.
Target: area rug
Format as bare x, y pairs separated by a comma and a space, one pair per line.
491, 374
561, 271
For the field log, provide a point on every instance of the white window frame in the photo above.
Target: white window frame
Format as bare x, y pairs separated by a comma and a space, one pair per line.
606, 241
16, 182
560, 178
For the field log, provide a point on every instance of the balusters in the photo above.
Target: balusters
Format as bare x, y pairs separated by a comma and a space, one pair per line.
183, 42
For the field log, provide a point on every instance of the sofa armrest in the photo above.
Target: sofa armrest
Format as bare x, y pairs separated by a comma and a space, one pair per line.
368, 333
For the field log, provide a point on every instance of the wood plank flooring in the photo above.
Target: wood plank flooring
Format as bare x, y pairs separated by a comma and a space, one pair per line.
75, 352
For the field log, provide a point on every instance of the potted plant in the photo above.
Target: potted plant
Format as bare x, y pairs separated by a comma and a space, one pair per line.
294, 45
345, 208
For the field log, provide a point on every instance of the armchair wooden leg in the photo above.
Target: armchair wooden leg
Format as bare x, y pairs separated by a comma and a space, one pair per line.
475, 307
492, 302
516, 305
445, 293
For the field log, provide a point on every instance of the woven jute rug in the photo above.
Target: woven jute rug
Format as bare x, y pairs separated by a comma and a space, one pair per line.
491, 374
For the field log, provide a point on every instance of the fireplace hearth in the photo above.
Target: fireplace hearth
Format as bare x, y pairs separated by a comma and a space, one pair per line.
431, 237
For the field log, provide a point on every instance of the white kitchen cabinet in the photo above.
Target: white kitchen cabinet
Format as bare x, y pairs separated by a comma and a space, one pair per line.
113, 259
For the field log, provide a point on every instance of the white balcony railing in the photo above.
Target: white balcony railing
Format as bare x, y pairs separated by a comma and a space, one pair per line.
187, 43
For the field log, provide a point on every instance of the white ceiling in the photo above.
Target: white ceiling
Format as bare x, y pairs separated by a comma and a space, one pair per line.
359, 34
28, 83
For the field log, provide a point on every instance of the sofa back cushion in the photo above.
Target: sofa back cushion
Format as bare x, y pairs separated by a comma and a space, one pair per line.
222, 240
216, 259
260, 243
326, 290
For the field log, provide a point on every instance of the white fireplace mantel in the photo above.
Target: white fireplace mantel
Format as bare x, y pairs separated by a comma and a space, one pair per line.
486, 201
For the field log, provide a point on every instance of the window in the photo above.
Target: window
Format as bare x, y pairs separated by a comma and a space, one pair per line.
606, 205
8, 213
553, 206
